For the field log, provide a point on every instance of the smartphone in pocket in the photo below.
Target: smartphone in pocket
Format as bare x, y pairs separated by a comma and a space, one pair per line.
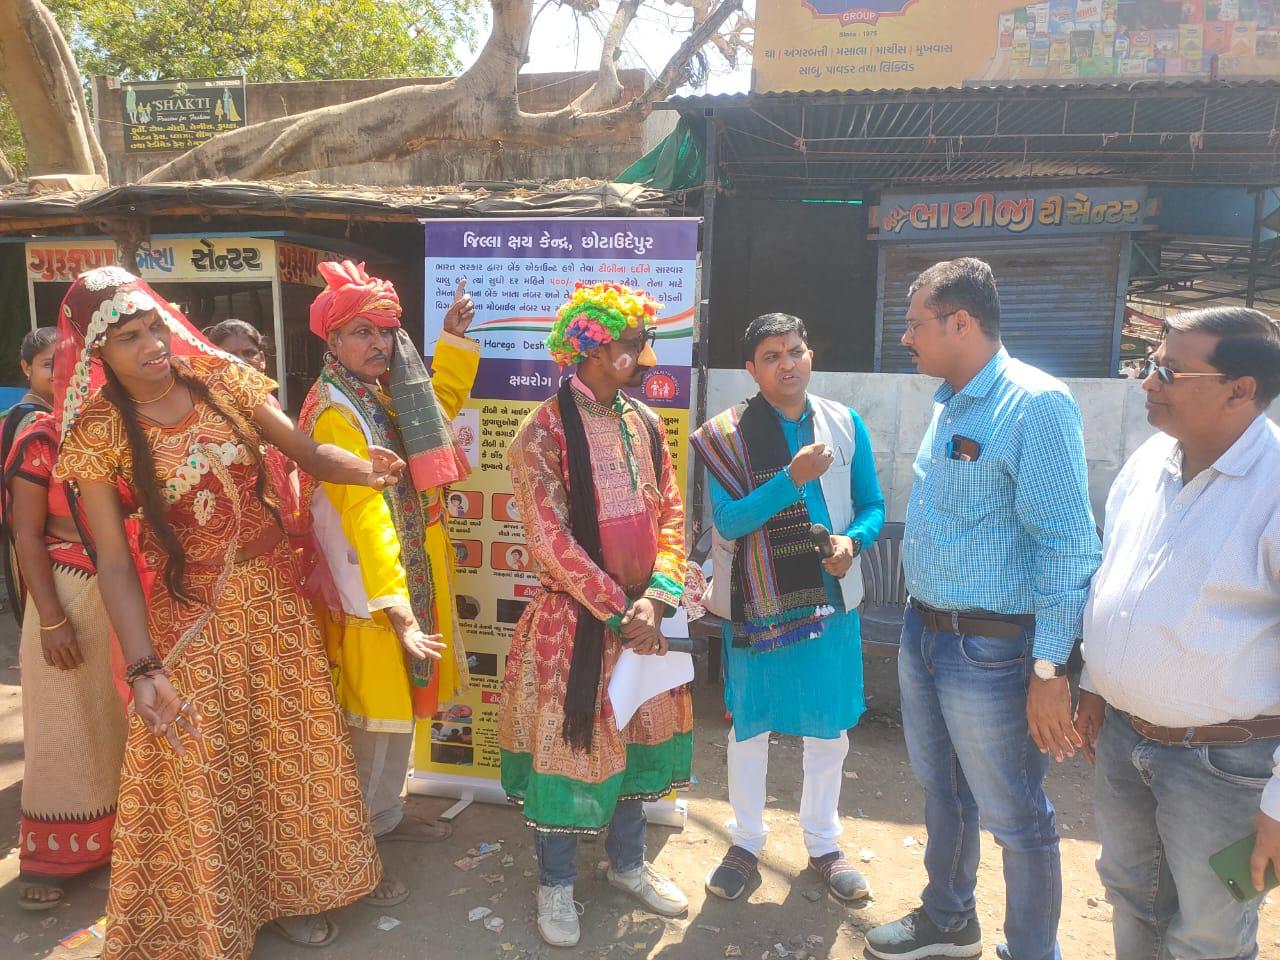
1232, 867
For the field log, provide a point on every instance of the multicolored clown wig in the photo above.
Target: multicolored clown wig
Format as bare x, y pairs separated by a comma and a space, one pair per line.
594, 315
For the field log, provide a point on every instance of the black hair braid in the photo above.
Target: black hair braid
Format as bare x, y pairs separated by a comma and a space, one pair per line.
251, 442
586, 664
146, 486
146, 483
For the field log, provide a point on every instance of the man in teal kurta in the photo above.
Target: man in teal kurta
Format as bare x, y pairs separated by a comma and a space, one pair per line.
777, 464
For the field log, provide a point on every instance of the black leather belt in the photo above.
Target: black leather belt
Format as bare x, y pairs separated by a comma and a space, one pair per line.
979, 623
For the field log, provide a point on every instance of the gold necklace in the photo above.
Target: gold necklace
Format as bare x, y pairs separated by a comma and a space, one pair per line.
173, 382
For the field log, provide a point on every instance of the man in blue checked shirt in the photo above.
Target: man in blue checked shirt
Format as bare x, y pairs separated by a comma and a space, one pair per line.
1000, 546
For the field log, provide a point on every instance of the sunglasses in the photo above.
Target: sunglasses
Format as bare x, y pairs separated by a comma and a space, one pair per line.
1169, 376
648, 340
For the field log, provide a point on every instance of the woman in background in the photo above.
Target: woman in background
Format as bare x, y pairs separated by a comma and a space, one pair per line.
35, 356
73, 719
241, 340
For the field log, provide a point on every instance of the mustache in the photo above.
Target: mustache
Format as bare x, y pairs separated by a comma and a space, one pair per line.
912, 353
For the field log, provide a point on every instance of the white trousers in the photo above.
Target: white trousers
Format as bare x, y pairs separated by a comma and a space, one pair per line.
382, 763
819, 797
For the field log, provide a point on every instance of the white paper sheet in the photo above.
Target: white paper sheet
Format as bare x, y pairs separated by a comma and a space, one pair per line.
635, 679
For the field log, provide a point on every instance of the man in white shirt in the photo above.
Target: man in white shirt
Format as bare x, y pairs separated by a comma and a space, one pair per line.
1182, 644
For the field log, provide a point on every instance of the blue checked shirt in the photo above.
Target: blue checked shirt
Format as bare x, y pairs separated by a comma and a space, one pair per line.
1011, 532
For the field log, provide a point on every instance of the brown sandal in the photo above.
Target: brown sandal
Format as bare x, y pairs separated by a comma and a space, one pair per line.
419, 830
390, 900
331, 931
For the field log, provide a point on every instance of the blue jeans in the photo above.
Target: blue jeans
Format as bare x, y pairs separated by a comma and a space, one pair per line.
964, 712
624, 846
1161, 813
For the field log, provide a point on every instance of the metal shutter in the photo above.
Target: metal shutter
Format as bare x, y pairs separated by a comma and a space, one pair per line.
1057, 298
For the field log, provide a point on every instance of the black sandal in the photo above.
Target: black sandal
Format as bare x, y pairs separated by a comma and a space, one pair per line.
738, 868
843, 879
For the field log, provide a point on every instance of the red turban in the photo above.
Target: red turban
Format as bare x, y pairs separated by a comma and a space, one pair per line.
352, 293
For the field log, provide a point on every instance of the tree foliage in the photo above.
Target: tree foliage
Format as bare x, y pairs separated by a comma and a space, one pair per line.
11, 146
265, 40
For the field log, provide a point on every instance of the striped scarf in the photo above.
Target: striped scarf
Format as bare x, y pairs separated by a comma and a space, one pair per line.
778, 596
405, 501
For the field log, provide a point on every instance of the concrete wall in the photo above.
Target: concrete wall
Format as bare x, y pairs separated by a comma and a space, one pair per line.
436, 164
897, 407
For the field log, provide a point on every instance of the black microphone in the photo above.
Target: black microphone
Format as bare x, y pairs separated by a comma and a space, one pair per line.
821, 538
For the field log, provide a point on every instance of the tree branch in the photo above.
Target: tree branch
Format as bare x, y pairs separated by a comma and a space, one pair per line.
670, 76
607, 89
481, 105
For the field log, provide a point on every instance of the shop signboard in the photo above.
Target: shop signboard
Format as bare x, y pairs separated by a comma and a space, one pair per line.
159, 260
822, 45
1009, 213
179, 115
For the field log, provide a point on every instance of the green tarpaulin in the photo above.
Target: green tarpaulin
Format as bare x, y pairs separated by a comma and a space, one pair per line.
674, 164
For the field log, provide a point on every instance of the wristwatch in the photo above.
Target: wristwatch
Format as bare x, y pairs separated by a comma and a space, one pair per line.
1047, 669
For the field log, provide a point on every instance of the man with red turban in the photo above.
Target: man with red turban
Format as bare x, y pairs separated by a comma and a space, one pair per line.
386, 560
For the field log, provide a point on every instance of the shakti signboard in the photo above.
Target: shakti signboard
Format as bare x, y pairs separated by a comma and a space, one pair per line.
169, 115
891, 44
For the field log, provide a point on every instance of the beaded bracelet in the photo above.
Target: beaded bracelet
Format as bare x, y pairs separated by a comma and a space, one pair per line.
143, 666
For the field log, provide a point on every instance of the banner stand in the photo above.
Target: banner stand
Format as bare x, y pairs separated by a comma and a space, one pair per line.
465, 789
518, 273
668, 812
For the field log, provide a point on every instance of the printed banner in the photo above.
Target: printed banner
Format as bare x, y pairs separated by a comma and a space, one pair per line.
518, 273
821, 45
1009, 213
162, 115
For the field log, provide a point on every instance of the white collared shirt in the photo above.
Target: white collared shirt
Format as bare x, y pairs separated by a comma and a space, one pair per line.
1182, 628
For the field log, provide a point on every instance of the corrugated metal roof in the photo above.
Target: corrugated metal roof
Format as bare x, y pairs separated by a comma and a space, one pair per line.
566, 198
1034, 90
1206, 131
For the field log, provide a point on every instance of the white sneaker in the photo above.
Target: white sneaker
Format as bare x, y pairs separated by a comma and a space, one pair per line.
652, 889
558, 916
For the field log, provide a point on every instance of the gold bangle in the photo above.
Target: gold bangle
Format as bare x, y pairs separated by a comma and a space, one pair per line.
60, 623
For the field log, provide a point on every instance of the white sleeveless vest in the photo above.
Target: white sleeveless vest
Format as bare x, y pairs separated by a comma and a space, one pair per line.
833, 426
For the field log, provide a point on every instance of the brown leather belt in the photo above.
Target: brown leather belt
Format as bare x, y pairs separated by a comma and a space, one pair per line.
1233, 731
978, 623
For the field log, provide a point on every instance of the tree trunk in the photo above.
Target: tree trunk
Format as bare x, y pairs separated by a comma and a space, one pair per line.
6, 171
479, 105
41, 79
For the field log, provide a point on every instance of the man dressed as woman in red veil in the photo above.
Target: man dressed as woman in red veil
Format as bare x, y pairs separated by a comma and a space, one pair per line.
239, 803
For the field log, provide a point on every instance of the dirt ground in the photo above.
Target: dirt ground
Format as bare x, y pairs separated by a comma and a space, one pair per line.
787, 915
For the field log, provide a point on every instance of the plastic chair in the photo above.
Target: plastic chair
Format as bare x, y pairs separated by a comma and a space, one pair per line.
886, 593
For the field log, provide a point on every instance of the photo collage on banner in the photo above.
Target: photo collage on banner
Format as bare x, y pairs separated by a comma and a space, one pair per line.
518, 273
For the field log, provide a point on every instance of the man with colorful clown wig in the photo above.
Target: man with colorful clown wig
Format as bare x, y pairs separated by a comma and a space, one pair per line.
605, 525
384, 572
